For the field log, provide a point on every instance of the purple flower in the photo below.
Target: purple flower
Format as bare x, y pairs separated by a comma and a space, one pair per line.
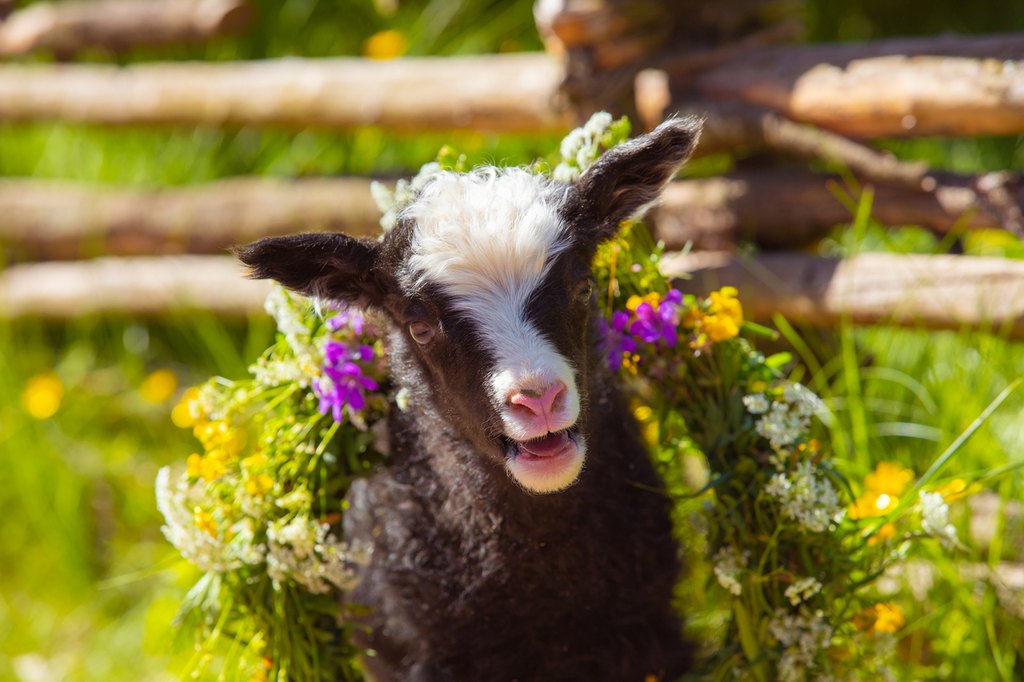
347, 317
343, 381
617, 342
654, 324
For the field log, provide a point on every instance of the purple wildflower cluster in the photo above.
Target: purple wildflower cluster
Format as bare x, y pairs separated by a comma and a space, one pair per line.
344, 381
651, 323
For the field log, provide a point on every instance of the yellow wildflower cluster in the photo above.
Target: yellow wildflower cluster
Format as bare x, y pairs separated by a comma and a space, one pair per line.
882, 489
222, 442
722, 318
880, 618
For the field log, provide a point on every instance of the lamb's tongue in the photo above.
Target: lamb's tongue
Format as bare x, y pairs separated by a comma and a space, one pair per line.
546, 446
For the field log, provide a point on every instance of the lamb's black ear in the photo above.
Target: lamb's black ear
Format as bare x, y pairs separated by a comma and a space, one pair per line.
325, 265
627, 179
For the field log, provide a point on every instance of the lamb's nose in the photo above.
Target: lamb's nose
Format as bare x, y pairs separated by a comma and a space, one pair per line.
539, 403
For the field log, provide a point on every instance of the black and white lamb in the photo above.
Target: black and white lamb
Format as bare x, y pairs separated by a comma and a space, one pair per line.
519, 531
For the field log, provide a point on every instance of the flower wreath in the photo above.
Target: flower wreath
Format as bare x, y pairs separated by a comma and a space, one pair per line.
794, 550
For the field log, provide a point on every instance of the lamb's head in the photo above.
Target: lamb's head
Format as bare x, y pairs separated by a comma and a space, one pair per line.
486, 281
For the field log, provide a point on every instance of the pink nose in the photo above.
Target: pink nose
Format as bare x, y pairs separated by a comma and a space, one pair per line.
539, 405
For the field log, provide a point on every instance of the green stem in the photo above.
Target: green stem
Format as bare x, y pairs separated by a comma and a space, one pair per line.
748, 640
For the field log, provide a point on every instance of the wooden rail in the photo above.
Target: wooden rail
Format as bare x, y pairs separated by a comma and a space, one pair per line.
62, 220
69, 27
935, 292
953, 85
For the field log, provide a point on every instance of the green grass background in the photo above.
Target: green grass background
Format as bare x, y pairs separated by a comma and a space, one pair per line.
88, 586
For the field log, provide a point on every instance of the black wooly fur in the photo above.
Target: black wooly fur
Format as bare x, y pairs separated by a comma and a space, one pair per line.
472, 578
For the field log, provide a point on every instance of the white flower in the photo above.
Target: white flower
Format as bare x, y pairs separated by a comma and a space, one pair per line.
177, 500
801, 399
598, 124
572, 143
935, 519
729, 564
756, 403
782, 425
304, 551
803, 635
802, 590
565, 173
807, 497
778, 486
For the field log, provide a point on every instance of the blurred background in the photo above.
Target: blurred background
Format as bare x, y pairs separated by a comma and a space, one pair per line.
98, 164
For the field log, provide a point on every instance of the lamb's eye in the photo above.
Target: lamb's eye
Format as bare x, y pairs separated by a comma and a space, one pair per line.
421, 332
584, 290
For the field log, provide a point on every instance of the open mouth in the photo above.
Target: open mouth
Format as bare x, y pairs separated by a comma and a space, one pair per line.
546, 464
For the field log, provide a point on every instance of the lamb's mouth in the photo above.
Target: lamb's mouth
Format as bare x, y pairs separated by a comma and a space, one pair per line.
546, 464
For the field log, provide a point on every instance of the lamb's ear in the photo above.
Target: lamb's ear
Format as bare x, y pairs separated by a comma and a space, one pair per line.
323, 265
629, 178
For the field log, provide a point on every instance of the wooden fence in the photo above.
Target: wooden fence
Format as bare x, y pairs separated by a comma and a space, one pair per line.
81, 249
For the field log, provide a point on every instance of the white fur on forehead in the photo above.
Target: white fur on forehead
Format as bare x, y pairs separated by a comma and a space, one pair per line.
488, 239
489, 227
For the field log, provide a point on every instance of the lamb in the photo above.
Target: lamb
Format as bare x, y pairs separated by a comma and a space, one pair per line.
518, 532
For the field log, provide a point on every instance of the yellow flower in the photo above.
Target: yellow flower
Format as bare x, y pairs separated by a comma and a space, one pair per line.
871, 504
957, 489
643, 413
260, 484
205, 522
212, 467
888, 478
880, 618
385, 45
725, 304
888, 618
220, 437
185, 413
692, 317
254, 461
194, 465
634, 301
42, 395
886, 532
159, 386
720, 327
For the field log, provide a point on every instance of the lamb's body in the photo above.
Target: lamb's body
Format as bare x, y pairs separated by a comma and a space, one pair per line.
519, 531
472, 579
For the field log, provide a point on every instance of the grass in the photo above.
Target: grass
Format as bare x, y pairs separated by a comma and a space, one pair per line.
88, 586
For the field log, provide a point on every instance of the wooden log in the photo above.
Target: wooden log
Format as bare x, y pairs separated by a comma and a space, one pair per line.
778, 208
129, 286
507, 93
69, 27
904, 95
60, 220
949, 85
935, 292
938, 292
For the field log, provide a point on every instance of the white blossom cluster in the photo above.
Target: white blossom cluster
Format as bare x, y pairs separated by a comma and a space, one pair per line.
802, 590
807, 497
581, 147
301, 550
392, 201
728, 565
299, 369
935, 519
306, 552
786, 420
176, 499
803, 635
